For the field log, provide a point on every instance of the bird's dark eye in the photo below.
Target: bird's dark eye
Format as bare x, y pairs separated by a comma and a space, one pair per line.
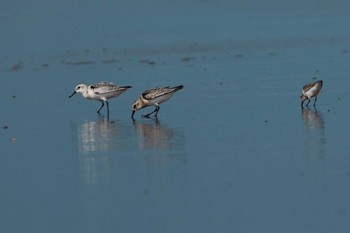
78, 87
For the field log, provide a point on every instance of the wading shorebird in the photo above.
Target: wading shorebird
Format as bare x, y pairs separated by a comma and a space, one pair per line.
100, 91
154, 97
310, 90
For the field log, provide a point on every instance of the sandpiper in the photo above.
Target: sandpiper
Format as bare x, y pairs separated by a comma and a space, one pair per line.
310, 90
154, 97
100, 92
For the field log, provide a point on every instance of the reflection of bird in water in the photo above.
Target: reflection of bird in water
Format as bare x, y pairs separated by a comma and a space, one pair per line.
95, 169
94, 137
315, 133
310, 90
312, 119
154, 135
97, 135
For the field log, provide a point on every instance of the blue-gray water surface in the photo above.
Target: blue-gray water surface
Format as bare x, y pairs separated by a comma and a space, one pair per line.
231, 152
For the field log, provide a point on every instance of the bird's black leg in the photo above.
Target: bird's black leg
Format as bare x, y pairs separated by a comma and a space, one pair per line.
103, 104
155, 110
308, 103
315, 101
302, 104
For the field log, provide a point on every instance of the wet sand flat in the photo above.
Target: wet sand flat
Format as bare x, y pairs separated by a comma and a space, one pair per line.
231, 152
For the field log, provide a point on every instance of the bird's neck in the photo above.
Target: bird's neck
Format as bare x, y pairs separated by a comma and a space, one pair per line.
86, 93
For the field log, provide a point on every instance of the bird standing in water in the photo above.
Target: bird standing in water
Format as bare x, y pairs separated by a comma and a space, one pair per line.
310, 90
100, 91
154, 97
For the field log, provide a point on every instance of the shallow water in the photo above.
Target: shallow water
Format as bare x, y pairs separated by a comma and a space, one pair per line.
232, 151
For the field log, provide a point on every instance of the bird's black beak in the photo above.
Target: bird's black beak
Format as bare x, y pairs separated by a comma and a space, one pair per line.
132, 114
73, 94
